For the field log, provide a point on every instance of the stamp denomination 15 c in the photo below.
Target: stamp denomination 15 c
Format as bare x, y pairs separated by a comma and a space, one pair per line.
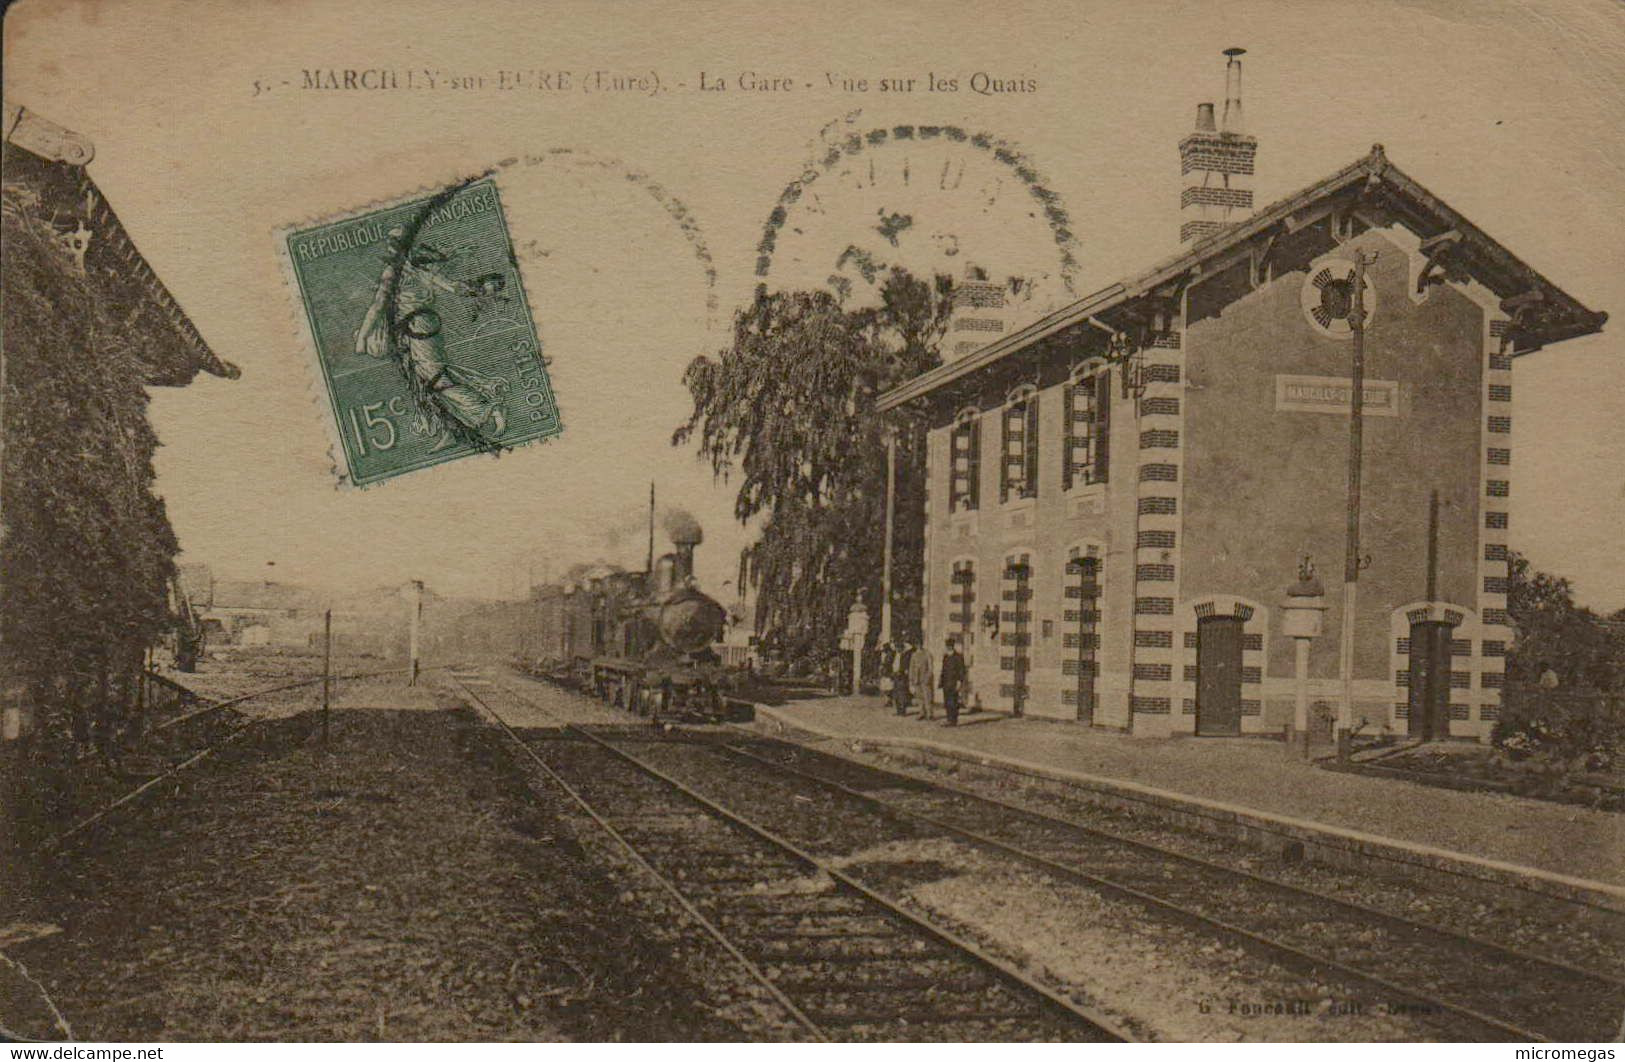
422, 333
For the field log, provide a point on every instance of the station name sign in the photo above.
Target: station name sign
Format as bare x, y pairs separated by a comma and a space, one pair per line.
1334, 394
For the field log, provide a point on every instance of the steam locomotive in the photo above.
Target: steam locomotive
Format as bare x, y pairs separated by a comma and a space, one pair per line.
640, 640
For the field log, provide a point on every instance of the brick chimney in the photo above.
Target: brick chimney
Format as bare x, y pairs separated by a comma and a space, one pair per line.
1216, 164
980, 313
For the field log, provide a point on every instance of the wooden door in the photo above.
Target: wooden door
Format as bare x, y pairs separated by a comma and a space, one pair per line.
1218, 676
1083, 596
1430, 680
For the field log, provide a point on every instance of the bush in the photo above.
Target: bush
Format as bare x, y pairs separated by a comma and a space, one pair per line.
1584, 730
1580, 723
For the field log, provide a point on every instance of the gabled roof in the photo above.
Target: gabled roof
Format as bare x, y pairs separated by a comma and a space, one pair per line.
47, 164
1542, 312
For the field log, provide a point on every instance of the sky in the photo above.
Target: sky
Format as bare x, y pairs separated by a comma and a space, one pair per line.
637, 217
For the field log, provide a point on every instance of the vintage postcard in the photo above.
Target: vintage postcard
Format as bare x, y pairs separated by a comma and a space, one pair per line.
865, 522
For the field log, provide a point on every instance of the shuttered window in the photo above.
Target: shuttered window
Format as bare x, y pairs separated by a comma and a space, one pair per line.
1086, 428
964, 469
1103, 426
1018, 470
962, 601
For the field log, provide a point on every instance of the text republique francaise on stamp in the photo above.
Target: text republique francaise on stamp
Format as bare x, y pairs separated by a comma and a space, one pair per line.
422, 332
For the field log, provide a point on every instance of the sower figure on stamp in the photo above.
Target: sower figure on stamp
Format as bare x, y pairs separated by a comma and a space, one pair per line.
952, 681
919, 679
452, 402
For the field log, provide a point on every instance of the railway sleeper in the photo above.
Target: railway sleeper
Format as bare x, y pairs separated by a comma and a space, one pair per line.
890, 980
786, 905
852, 950
812, 933
726, 885
994, 1029
770, 922
918, 1018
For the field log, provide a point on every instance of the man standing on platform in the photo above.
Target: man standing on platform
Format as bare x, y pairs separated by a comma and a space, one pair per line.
919, 679
952, 681
900, 680
888, 672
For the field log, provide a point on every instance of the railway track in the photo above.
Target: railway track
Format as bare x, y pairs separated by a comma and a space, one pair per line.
841, 960
1466, 985
1504, 991
209, 710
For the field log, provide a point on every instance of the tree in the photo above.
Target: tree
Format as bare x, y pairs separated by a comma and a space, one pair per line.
790, 408
87, 549
1552, 631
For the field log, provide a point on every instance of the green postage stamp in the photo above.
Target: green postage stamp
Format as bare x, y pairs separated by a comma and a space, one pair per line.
422, 332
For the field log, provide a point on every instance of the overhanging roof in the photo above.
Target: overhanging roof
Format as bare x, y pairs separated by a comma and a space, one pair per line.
1561, 317
49, 162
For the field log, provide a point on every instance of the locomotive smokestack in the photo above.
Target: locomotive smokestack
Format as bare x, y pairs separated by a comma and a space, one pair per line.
685, 534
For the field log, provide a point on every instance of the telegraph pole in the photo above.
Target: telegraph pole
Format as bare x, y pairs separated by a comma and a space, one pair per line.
886, 548
327, 673
1351, 557
416, 612
1433, 546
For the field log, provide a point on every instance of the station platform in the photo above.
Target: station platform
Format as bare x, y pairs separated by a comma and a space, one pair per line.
1257, 789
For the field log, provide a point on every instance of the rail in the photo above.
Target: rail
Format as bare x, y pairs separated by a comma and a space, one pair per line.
58, 841
1283, 950
1057, 1003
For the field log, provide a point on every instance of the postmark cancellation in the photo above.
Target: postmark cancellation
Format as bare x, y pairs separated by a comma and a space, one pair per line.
421, 332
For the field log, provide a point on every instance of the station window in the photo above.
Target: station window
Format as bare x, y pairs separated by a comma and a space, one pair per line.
1018, 471
1087, 428
962, 602
964, 462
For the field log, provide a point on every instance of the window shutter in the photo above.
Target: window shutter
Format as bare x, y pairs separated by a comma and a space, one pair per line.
975, 461
958, 466
1103, 424
1030, 449
1069, 434
1004, 455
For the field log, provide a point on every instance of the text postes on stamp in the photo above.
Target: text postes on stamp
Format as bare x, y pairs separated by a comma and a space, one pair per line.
422, 332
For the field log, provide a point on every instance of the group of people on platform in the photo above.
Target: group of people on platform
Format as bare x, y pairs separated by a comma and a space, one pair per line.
906, 677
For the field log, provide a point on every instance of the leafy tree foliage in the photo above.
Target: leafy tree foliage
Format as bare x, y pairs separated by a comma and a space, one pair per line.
87, 551
789, 409
1580, 719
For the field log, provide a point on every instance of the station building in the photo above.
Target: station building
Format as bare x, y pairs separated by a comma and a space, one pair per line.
1120, 493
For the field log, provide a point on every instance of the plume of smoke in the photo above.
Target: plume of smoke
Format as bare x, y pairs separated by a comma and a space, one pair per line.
681, 527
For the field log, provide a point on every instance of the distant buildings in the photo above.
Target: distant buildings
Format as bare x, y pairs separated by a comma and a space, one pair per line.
259, 612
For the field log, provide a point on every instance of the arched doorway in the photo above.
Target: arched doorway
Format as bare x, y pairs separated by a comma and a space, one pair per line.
1015, 655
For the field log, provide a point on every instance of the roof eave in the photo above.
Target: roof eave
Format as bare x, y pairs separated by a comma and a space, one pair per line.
1576, 320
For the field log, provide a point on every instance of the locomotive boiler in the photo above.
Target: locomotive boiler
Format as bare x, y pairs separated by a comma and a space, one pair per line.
640, 640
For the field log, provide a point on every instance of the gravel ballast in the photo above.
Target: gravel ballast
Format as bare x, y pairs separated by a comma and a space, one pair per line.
401, 886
